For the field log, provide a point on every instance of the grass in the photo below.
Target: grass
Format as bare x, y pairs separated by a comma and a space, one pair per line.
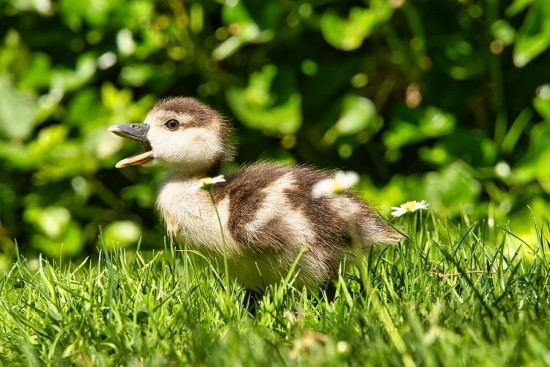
453, 295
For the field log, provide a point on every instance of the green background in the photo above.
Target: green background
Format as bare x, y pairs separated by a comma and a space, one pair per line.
444, 101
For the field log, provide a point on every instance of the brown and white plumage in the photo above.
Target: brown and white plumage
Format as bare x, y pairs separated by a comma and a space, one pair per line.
267, 211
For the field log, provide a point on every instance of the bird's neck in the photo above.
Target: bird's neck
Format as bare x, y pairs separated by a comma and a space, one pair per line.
184, 173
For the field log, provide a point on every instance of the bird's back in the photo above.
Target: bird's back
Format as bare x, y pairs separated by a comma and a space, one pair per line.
269, 204
273, 214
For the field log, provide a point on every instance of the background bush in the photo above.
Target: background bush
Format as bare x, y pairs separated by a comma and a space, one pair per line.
447, 101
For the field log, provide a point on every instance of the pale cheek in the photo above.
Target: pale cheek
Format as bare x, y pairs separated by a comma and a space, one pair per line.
166, 146
205, 149
185, 147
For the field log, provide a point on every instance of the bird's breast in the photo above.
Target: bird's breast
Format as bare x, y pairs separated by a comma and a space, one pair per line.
189, 215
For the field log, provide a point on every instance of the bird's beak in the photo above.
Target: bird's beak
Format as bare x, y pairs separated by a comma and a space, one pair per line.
136, 132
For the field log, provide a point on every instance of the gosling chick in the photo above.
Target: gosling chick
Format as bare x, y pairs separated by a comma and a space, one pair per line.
267, 211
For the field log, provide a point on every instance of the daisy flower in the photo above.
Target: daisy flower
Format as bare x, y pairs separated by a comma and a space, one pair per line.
409, 207
336, 185
207, 182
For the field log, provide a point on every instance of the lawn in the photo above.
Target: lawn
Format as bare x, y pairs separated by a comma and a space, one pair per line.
453, 294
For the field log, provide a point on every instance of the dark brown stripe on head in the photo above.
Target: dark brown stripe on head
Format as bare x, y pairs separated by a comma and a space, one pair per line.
200, 113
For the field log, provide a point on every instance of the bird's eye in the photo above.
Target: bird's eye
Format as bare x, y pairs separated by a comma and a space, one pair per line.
172, 124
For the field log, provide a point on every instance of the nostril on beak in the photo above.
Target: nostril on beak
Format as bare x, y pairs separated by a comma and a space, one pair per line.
135, 126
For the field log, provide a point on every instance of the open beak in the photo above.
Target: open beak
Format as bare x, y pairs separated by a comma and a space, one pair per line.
136, 132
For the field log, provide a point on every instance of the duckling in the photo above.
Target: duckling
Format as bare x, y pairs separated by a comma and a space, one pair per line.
267, 211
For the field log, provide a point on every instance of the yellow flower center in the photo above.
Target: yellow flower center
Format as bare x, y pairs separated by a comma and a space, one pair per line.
338, 188
410, 206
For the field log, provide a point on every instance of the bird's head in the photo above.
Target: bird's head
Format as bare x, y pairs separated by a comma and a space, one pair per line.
181, 134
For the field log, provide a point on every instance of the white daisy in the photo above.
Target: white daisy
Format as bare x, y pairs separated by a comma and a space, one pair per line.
334, 186
409, 207
207, 182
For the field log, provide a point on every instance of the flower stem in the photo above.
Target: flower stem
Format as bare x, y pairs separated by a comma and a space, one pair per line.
224, 243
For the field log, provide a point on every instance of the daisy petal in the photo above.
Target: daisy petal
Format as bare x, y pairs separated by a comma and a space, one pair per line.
334, 186
409, 207
206, 183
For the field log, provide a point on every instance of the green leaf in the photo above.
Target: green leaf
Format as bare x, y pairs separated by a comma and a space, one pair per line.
258, 107
358, 113
452, 190
348, 34
472, 147
244, 28
69, 245
56, 233
236, 12
38, 73
518, 6
115, 99
413, 126
534, 166
504, 32
52, 221
533, 37
122, 233
93, 12
17, 111
437, 122
542, 101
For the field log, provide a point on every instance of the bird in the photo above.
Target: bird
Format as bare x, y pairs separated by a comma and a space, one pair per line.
268, 214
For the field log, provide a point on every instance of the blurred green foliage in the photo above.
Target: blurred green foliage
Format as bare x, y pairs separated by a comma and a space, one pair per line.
447, 101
